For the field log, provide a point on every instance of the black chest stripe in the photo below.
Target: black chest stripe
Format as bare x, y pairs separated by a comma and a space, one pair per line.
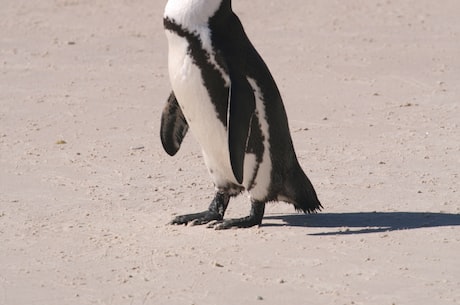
212, 77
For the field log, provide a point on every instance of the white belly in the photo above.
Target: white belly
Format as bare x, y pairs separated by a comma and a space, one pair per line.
209, 131
195, 102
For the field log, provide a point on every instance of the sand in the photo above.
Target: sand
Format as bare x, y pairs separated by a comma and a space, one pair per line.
372, 93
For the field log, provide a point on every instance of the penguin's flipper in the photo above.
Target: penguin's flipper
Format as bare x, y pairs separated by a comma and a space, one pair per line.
174, 126
241, 107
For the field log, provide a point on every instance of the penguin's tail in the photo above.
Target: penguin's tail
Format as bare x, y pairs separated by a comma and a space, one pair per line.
299, 191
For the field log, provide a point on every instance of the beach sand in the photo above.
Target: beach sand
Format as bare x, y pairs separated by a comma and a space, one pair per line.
372, 93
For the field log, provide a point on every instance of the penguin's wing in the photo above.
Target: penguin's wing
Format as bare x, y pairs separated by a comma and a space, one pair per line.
174, 126
241, 108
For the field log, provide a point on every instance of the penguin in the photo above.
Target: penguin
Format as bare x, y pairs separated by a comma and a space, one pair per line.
223, 91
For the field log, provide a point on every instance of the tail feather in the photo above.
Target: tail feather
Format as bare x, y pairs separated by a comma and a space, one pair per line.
300, 192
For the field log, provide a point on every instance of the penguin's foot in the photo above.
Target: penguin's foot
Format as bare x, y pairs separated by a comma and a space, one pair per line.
196, 218
254, 218
215, 212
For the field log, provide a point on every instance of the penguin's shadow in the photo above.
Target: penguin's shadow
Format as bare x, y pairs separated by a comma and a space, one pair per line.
365, 222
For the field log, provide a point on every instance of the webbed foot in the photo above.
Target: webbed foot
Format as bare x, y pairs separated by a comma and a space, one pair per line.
215, 212
254, 218
196, 218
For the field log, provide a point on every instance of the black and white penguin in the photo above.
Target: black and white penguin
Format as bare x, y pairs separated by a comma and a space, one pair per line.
223, 91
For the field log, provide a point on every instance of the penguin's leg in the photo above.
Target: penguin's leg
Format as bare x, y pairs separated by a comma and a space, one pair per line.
254, 218
215, 212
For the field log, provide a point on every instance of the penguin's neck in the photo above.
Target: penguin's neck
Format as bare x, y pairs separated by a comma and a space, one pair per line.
192, 13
